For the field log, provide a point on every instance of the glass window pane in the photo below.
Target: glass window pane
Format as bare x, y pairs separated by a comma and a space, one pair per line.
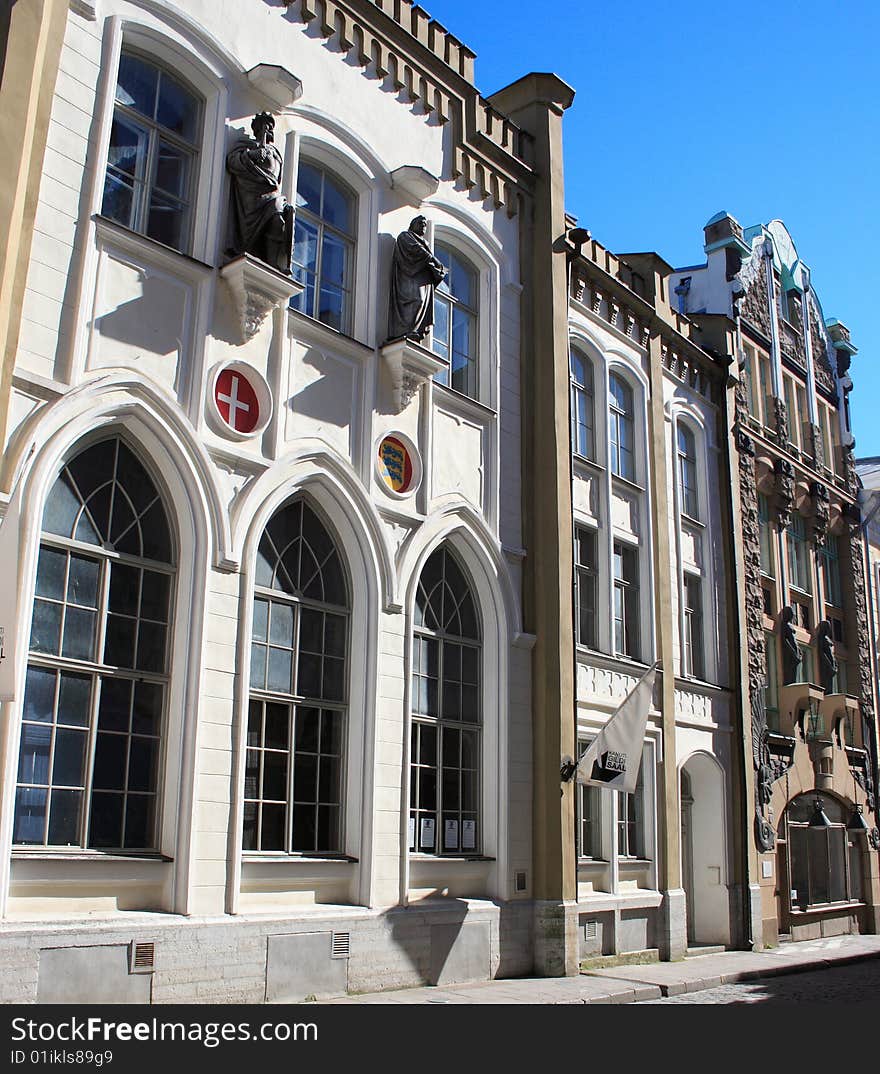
249, 834
305, 832
39, 694
110, 758
64, 818
305, 777
136, 84
331, 304
305, 246
75, 699
51, 567
331, 733
154, 596
258, 666
166, 221
281, 631
119, 642
308, 189
307, 724
441, 327
127, 153
172, 170
463, 325
68, 759
139, 810
30, 815
46, 627
462, 282
277, 727
125, 584
114, 707
337, 208
147, 713
333, 260
62, 508
105, 822
280, 667
79, 634
275, 776
142, 764
261, 620
178, 109
33, 757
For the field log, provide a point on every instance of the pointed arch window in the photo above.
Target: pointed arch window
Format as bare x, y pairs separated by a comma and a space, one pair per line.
444, 813
97, 677
296, 732
687, 472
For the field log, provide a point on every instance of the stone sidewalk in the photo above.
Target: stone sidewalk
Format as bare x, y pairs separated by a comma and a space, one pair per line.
633, 984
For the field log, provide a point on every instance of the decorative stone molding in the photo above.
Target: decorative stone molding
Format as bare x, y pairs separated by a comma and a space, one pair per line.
834, 709
278, 86
613, 311
865, 662
409, 365
754, 307
821, 502
256, 290
578, 287
795, 700
784, 491
416, 182
780, 421
597, 300
86, 9
630, 323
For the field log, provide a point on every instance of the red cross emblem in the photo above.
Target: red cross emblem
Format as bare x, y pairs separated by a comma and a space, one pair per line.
236, 401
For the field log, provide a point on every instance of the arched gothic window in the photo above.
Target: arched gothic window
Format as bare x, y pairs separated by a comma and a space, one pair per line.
97, 676
296, 731
444, 813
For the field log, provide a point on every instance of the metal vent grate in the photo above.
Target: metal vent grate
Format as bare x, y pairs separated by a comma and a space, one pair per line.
591, 930
520, 881
142, 957
340, 945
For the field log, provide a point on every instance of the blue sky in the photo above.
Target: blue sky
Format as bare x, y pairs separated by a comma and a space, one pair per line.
764, 109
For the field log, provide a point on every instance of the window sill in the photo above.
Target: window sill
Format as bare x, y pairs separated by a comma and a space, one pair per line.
826, 908
46, 854
310, 328
627, 482
281, 856
133, 242
478, 409
691, 521
598, 862
413, 856
634, 863
587, 463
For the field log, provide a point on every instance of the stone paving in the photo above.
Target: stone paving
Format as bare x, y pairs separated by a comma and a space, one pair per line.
638, 984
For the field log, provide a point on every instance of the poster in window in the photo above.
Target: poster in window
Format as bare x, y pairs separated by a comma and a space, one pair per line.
412, 833
450, 835
426, 833
468, 834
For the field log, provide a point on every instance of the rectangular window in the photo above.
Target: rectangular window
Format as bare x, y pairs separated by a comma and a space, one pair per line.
694, 655
825, 427
631, 821
766, 388
829, 558
793, 425
771, 689
800, 573
589, 817
749, 374
585, 587
766, 536
626, 601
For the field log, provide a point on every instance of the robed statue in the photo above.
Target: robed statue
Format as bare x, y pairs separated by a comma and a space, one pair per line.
827, 659
415, 274
791, 653
262, 218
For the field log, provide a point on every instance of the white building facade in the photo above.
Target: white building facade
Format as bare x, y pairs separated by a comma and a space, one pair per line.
266, 716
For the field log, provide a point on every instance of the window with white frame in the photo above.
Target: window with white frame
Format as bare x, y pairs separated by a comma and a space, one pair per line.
97, 677
589, 829
456, 309
694, 642
829, 558
296, 726
621, 427
766, 536
626, 600
324, 246
799, 555
582, 397
687, 472
444, 811
586, 582
152, 160
631, 820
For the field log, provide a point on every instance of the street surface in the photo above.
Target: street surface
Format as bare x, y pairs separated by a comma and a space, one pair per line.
837, 984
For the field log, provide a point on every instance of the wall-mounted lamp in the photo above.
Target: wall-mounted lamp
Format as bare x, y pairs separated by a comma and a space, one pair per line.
819, 818
857, 822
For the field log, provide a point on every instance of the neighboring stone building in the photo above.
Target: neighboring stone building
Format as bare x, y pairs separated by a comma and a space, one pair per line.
806, 653
868, 470
658, 869
267, 686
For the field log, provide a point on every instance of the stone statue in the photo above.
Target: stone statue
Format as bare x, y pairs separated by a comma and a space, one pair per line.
791, 654
262, 217
415, 274
827, 660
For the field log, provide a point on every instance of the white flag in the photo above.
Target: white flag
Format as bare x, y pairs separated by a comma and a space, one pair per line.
613, 758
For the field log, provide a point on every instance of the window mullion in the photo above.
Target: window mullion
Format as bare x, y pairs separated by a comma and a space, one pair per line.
292, 713
90, 761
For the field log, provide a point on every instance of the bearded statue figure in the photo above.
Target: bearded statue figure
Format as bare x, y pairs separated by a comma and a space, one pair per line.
415, 274
262, 217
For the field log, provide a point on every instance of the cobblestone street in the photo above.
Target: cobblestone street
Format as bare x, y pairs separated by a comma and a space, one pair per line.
838, 984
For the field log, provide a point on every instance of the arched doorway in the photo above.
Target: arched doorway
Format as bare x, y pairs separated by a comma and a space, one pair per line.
704, 851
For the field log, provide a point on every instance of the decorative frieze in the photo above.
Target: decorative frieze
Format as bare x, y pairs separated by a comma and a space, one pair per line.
784, 491
821, 510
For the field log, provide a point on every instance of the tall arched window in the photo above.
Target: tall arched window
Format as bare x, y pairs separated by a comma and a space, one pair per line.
152, 161
444, 816
97, 677
581, 406
323, 246
455, 322
621, 427
687, 472
296, 729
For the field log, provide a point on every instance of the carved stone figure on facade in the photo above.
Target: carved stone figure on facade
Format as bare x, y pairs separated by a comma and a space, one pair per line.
262, 218
827, 660
415, 275
791, 654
